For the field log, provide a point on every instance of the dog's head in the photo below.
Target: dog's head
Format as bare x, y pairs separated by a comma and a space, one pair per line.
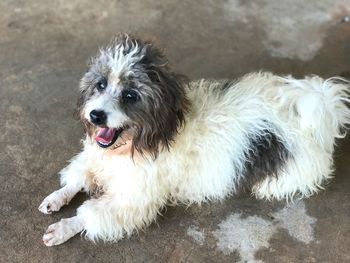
128, 91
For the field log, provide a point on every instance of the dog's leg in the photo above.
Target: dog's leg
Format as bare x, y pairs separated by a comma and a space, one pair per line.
111, 219
62, 231
105, 218
73, 179
57, 199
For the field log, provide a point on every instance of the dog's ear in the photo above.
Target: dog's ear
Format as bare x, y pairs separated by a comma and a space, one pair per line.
167, 102
172, 85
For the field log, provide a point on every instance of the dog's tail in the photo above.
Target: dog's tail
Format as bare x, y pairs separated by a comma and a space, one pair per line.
322, 107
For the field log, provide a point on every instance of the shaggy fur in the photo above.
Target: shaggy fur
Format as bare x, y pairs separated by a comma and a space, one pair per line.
191, 142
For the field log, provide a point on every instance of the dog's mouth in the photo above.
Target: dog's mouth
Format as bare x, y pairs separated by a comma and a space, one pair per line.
106, 137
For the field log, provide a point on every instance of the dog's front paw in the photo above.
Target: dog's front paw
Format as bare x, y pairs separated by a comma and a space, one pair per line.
52, 203
61, 231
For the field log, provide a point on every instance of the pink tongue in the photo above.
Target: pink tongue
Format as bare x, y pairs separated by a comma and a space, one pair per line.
105, 135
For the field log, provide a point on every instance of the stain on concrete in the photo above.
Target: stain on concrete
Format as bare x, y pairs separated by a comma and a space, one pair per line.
15, 109
197, 235
295, 219
295, 30
249, 234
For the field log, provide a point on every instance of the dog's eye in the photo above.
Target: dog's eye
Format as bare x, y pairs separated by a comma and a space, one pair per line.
130, 96
101, 84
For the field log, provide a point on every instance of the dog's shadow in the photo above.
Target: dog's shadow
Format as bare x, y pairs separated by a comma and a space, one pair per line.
70, 209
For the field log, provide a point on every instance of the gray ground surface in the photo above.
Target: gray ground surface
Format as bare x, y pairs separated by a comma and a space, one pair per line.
44, 46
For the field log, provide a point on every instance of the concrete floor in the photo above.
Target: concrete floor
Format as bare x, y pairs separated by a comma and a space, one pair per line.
44, 46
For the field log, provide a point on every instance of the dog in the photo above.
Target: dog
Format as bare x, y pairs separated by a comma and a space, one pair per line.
154, 139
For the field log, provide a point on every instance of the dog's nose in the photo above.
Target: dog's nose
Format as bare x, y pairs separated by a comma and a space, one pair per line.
98, 117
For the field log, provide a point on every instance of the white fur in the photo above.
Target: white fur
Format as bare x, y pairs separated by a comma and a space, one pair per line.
120, 61
206, 160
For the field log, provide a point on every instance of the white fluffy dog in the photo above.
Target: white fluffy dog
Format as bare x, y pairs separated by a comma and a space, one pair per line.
153, 139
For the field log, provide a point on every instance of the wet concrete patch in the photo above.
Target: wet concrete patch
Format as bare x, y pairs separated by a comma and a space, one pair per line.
296, 30
295, 219
196, 234
249, 234
246, 235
